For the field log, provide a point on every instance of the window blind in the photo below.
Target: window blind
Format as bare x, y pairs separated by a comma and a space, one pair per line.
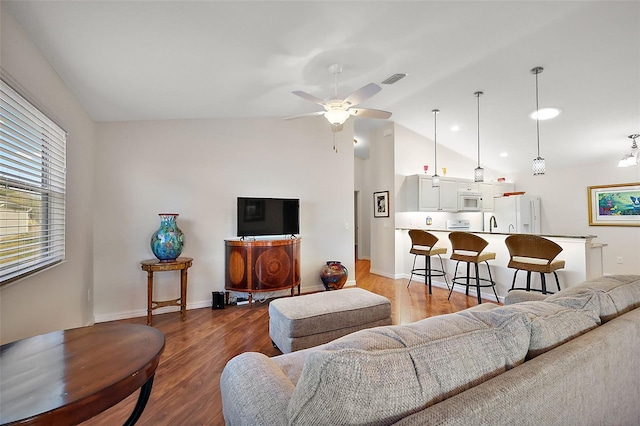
32, 188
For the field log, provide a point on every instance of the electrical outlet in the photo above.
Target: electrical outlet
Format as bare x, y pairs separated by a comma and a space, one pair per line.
619, 260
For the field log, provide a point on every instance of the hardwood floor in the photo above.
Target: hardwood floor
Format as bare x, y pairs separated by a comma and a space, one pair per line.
186, 388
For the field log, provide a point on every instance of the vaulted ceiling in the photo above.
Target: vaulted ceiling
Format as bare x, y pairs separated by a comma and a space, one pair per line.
159, 60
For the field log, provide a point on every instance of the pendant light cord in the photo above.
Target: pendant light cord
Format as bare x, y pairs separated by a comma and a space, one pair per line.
435, 140
538, 71
538, 162
478, 97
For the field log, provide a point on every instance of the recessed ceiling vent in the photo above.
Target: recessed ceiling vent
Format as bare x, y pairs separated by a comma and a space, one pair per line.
394, 78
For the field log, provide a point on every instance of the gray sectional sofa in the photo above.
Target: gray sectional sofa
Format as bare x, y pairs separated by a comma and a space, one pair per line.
572, 358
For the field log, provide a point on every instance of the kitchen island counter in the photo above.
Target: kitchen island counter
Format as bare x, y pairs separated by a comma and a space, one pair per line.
583, 259
502, 233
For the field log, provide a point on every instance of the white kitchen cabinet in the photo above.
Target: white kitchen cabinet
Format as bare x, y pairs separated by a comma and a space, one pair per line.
487, 190
466, 185
491, 190
448, 195
423, 197
428, 196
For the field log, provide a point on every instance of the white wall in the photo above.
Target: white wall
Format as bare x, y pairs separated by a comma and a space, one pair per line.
197, 168
564, 209
57, 298
362, 181
381, 179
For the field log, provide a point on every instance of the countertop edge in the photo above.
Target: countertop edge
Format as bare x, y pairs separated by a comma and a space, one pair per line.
582, 237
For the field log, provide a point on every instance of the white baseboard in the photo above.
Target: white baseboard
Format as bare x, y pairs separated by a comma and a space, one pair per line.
384, 274
206, 303
143, 312
308, 289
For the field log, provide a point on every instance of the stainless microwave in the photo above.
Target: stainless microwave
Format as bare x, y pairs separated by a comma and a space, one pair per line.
469, 201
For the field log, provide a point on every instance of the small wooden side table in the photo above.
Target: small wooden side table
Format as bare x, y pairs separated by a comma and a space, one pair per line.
154, 265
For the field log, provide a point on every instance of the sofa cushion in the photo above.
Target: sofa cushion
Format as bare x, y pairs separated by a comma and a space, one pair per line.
554, 324
480, 308
380, 375
615, 294
517, 296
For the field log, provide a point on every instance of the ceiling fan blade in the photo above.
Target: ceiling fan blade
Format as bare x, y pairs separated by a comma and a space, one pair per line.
369, 113
362, 94
310, 114
309, 97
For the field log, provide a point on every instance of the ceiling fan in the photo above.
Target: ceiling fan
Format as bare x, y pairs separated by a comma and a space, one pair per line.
337, 111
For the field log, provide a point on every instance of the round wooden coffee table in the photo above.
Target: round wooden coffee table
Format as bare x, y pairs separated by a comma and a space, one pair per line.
66, 377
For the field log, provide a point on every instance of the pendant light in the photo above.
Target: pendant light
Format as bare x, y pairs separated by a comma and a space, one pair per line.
538, 162
435, 179
478, 172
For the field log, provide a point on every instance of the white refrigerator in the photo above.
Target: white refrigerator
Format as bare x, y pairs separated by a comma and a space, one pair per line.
516, 214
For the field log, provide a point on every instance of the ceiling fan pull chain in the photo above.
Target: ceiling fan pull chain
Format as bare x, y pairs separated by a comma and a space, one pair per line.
334, 144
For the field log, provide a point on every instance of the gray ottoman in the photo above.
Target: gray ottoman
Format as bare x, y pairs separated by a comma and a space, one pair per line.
304, 321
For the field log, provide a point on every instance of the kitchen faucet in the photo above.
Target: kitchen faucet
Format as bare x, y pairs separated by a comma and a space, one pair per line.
511, 226
492, 223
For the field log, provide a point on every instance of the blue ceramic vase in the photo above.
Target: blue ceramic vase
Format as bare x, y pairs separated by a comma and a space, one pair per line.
334, 275
168, 240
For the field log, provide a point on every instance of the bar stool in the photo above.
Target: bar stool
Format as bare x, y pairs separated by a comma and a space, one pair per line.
468, 248
422, 244
533, 253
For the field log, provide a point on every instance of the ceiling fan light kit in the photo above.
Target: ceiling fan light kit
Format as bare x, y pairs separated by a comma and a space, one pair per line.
336, 115
538, 162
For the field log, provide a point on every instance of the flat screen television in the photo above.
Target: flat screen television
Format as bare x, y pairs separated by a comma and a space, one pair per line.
268, 216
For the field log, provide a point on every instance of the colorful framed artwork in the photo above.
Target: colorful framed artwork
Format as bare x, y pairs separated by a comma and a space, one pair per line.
381, 204
614, 205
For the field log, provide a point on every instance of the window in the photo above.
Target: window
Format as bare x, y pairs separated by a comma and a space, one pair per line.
32, 188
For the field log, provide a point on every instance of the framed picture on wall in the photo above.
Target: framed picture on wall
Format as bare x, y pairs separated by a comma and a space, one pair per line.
614, 205
381, 204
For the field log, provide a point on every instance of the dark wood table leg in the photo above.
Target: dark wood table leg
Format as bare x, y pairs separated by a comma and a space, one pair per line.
149, 296
145, 391
183, 294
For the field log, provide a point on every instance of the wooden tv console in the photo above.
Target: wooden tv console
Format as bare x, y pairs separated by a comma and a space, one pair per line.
254, 266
